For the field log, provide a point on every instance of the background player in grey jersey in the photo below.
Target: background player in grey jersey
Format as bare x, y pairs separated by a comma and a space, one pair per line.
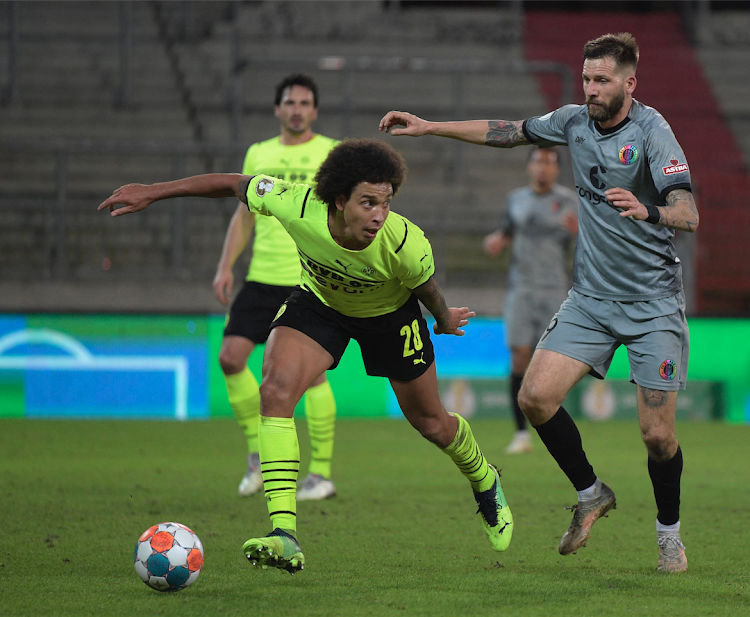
634, 189
540, 223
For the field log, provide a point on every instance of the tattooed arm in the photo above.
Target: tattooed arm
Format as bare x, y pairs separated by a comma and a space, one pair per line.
496, 133
447, 320
505, 134
679, 212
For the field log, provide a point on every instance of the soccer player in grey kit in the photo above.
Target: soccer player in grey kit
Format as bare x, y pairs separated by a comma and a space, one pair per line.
539, 224
634, 190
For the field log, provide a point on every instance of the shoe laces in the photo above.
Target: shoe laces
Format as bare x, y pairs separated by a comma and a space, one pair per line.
577, 513
670, 544
311, 481
581, 510
487, 505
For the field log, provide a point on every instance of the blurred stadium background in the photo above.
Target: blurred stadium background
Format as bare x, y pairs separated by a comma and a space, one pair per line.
94, 95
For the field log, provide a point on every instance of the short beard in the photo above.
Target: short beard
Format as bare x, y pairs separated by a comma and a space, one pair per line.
606, 112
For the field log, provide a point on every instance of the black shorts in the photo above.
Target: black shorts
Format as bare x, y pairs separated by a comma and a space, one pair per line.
396, 345
253, 310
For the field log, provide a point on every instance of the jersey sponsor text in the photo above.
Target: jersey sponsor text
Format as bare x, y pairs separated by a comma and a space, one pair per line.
675, 169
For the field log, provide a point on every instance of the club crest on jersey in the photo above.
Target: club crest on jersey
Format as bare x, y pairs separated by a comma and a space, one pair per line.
675, 167
368, 270
628, 154
264, 186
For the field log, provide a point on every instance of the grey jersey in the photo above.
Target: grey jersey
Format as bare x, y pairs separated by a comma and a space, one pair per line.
541, 244
619, 258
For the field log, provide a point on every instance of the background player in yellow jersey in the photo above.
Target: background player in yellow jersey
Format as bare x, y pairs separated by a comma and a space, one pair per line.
294, 155
364, 268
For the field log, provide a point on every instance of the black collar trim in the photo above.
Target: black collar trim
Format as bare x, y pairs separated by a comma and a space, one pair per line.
613, 129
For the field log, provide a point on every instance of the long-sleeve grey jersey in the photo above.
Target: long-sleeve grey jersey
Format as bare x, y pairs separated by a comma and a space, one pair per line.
541, 244
619, 258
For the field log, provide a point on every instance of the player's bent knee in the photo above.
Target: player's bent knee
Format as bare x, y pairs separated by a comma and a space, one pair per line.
529, 402
660, 443
537, 408
230, 363
276, 394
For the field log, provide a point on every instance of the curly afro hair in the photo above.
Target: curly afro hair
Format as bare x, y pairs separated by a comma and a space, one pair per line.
354, 161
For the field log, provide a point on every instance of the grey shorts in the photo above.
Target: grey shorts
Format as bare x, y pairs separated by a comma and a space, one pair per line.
655, 333
527, 313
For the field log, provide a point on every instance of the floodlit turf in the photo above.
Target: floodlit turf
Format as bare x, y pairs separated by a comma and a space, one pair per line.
401, 538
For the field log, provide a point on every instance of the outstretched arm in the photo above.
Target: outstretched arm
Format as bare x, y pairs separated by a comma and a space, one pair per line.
135, 197
496, 133
680, 211
447, 320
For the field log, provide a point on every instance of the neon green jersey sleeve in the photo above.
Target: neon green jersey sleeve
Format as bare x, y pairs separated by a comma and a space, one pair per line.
275, 260
373, 281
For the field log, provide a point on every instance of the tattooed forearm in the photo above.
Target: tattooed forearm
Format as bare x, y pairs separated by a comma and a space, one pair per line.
680, 211
432, 297
505, 134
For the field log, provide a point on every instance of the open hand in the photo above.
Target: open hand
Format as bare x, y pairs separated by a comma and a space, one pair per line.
458, 317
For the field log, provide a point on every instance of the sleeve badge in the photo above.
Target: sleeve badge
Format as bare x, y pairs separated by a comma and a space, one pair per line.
264, 186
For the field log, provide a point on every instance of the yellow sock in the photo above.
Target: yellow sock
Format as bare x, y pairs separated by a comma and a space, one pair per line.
244, 398
320, 411
467, 456
279, 464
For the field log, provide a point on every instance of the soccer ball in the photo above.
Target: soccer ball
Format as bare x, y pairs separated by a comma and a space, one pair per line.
168, 557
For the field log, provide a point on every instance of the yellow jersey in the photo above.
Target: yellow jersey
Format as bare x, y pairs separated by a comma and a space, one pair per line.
376, 280
275, 260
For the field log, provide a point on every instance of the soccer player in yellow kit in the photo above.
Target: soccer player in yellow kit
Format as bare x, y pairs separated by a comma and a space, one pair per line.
364, 268
294, 155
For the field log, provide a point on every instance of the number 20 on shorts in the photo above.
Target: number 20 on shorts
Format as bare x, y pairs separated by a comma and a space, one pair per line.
411, 336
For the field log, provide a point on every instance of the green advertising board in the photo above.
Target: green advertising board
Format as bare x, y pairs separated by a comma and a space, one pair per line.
349, 381
139, 366
594, 399
166, 366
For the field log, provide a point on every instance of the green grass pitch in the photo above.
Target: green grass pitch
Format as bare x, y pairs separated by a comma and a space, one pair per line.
401, 538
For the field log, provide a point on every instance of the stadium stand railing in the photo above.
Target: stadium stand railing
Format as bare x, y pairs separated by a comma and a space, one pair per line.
197, 97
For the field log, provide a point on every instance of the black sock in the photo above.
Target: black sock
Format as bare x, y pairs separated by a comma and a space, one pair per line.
666, 480
560, 435
515, 387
